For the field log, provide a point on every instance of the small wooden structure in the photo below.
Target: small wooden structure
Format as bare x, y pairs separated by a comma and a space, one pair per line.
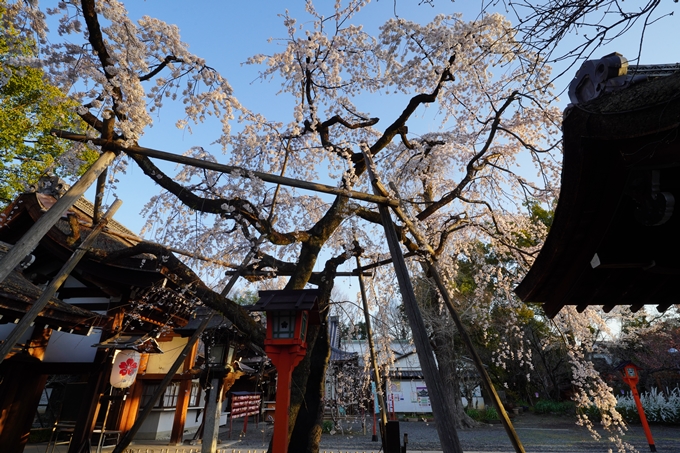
611, 242
289, 313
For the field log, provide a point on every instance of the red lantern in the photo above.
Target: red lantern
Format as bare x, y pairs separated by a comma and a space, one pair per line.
289, 313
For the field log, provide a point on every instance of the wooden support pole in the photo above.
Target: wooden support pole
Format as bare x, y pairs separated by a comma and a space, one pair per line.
431, 268
371, 347
213, 408
486, 380
55, 284
229, 169
31, 238
447, 434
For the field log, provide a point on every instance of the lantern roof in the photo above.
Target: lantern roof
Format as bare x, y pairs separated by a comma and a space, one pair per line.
199, 314
625, 364
290, 300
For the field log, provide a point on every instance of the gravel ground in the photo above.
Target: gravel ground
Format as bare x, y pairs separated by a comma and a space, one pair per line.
538, 434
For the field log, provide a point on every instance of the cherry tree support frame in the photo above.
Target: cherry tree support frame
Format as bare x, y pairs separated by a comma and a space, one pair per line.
380, 198
431, 267
229, 169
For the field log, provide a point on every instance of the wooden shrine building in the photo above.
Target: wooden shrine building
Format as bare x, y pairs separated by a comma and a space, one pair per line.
133, 302
611, 241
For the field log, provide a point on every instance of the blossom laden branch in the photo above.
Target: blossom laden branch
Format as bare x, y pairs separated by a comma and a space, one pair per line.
473, 166
166, 61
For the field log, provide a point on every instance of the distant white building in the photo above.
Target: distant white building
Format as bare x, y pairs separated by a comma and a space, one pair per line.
406, 391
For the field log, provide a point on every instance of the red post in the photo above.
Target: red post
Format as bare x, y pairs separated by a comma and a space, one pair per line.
288, 314
285, 358
630, 377
643, 418
375, 432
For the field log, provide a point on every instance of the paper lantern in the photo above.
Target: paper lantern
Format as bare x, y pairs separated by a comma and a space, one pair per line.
125, 366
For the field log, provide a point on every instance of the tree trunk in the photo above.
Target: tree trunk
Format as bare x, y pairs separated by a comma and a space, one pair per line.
306, 435
449, 375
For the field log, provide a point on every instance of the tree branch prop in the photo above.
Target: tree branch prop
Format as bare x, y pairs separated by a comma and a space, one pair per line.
229, 169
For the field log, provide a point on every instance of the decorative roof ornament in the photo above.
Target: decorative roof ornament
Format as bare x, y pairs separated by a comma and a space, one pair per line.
50, 185
612, 73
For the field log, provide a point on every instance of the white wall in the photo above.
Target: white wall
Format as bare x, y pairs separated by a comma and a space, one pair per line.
6, 330
68, 347
411, 396
158, 425
161, 363
408, 396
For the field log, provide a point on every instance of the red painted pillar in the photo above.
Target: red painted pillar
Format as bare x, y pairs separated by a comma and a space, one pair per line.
285, 358
631, 377
643, 418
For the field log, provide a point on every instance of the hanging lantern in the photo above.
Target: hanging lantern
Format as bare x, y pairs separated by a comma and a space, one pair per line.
125, 366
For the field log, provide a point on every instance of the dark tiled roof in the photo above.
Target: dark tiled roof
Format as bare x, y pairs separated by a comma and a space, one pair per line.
611, 240
338, 355
17, 295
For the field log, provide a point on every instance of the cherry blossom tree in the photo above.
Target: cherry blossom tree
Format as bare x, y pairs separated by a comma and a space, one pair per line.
472, 108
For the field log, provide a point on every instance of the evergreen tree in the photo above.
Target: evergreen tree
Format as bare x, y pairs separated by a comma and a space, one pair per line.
29, 108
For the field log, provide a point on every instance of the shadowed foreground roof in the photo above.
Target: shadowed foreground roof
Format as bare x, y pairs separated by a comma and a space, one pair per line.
615, 233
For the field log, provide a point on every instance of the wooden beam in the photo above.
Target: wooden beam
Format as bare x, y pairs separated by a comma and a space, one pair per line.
273, 274
229, 169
